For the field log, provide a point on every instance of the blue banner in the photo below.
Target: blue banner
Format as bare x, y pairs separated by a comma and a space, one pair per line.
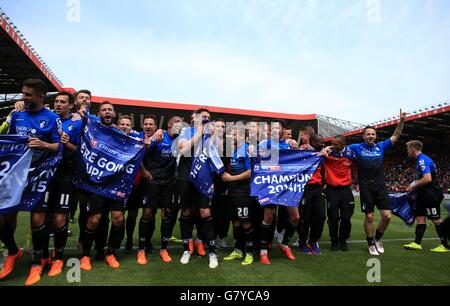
15, 161
205, 166
282, 181
108, 161
23, 181
403, 206
39, 177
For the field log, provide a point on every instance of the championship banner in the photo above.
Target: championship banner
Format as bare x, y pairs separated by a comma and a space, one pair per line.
283, 182
108, 161
15, 161
23, 182
403, 206
205, 166
39, 177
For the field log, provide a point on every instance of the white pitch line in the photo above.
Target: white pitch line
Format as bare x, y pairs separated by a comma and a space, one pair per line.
175, 247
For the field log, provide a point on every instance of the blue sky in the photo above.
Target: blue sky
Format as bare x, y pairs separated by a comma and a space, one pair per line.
333, 57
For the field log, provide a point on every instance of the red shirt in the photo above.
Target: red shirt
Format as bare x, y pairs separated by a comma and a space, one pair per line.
317, 177
338, 171
137, 179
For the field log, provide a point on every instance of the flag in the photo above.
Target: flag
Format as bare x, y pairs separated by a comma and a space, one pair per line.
108, 161
15, 161
283, 181
403, 206
24, 181
205, 166
39, 177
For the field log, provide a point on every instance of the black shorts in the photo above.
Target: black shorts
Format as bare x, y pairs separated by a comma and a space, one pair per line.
242, 208
270, 206
428, 203
82, 196
313, 203
340, 202
59, 198
339, 196
157, 195
258, 211
190, 197
97, 204
134, 200
374, 195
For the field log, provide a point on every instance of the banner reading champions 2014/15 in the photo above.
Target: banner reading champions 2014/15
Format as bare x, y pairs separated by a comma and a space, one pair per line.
283, 180
109, 161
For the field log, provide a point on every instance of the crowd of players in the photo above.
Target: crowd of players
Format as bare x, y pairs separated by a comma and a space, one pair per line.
163, 182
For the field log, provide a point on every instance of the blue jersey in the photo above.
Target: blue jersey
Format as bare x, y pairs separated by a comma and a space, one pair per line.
187, 133
67, 164
94, 117
239, 163
185, 163
44, 124
345, 153
135, 134
425, 165
73, 129
160, 161
370, 161
267, 145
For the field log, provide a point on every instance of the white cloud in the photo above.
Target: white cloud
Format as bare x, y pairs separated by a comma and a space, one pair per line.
287, 56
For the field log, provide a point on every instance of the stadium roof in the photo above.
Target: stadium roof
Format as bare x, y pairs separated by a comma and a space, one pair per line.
19, 60
165, 110
433, 121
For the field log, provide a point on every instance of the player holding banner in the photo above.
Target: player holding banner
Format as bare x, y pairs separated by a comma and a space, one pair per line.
44, 129
96, 203
61, 194
429, 198
190, 198
312, 209
265, 147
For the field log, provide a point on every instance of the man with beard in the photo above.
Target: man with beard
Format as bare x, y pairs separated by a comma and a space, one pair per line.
43, 127
96, 205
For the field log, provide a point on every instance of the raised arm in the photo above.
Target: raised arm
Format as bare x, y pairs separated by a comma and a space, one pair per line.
185, 145
398, 131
